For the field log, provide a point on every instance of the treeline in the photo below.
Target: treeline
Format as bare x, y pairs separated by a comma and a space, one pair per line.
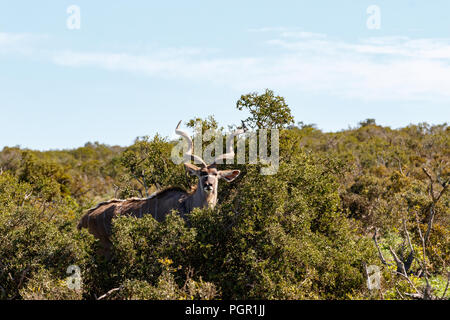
339, 203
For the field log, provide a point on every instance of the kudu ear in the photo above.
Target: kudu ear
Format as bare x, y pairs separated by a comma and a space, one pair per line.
229, 175
192, 169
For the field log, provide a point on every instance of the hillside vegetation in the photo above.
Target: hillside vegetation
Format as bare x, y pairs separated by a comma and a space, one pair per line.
340, 202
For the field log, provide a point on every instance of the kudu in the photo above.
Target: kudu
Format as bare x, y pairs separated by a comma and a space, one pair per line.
98, 220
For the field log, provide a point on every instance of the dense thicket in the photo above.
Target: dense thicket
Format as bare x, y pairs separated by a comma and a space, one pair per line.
306, 232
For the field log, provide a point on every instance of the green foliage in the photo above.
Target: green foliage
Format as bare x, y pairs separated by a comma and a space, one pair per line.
207, 124
48, 179
35, 241
148, 163
303, 233
284, 238
166, 288
43, 285
140, 266
367, 122
266, 110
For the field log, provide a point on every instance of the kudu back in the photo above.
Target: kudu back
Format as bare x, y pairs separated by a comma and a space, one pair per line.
98, 220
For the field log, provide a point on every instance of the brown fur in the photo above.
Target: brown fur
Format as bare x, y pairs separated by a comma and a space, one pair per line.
98, 220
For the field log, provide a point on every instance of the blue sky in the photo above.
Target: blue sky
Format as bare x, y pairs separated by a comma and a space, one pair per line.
135, 68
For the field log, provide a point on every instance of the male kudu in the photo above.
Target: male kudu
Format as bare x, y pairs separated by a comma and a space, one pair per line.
98, 220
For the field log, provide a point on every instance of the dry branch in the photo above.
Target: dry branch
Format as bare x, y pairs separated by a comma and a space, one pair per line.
109, 293
378, 248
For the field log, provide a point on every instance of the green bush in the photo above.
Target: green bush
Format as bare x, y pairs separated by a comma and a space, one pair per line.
303, 233
34, 238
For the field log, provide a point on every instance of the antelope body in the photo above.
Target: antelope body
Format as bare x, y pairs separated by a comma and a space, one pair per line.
98, 220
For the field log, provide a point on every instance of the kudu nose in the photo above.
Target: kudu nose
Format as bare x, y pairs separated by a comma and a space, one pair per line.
208, 186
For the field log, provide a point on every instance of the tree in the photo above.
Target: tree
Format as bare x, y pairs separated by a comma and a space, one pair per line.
148, 162
367, 122
266, 110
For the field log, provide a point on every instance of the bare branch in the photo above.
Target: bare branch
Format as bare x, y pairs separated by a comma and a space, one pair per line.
378, 248
409, 281
411, 255
446, 287
407, 236
431, 191
435, 200
144, 183
401, 296
443, 184
417, 296
444, 189
430, 223
109, 293
424, 262
399, 165
400, 264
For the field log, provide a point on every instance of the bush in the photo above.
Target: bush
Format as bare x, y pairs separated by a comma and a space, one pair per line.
304, 233
35, 243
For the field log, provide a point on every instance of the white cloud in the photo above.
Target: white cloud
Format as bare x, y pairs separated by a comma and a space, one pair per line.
382, 68
269, 29
9, 39
394, 68
157, 66
302, 35
22, 43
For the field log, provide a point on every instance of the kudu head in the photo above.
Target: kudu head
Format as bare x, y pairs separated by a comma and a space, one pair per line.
208, 174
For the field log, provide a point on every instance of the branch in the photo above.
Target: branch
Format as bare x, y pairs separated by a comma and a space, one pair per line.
399, 165
109, 293
401, 296
431, 182
378, 248
444, 186
407, 236
435, 200
410, 258
424, 263
430, 223
446, 287
417, 296
145, 184
400, 264
409, 281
